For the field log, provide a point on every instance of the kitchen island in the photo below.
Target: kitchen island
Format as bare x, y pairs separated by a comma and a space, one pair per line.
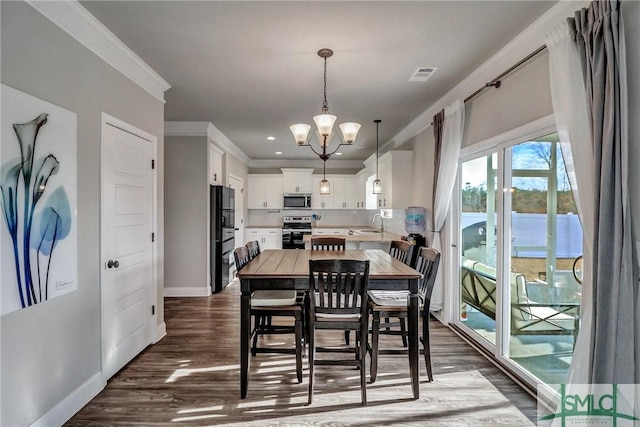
362, 239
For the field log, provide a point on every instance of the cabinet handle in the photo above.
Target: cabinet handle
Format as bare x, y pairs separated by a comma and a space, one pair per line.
385, 202
379, 203
215, 176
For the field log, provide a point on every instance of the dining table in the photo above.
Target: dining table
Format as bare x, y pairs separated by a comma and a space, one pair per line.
281, 269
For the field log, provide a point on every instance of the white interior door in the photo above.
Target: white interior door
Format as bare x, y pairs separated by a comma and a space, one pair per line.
127, 252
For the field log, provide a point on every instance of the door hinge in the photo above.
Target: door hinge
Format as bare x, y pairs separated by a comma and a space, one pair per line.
153, 164
153, 237
153, 310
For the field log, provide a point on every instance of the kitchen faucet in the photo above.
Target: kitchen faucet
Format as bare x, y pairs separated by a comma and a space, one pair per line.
381, 221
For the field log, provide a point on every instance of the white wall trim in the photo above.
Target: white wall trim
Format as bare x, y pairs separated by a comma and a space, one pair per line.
71, 404
161, 332
186, 291
74, 19
208, 129
523, 44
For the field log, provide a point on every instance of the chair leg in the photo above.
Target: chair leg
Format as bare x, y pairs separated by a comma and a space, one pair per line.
387, 321
299, 346
375, 335
258, 319
403, 329
427, 346
363, 369
311, 339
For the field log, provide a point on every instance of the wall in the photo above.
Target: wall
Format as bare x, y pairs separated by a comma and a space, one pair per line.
525, 95
52, 349
187, 212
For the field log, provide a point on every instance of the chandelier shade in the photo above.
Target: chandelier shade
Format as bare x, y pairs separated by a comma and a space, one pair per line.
324, 124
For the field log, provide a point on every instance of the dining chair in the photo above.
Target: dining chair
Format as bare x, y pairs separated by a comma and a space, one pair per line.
402, 251
328, 243
394, 304
338, 301
254, 248
264, 305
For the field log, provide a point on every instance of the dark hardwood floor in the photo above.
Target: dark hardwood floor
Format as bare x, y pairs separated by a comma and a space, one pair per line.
191, 378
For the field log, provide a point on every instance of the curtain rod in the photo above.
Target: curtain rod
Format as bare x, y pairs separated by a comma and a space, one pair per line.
496, 82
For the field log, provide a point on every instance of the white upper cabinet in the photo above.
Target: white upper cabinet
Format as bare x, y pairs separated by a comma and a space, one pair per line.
264, 192
215, 165
319, 201
297, 180
343, 188
396, 175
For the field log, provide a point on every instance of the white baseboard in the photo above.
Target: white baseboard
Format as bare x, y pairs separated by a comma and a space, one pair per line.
174, 291
71, 404
161, 331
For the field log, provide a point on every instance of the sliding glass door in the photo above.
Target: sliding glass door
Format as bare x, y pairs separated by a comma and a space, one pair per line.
518, 294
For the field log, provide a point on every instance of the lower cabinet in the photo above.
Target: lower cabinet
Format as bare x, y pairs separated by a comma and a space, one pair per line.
268, 238
329, 231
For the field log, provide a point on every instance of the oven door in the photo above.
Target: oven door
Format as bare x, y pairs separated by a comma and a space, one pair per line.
293, 239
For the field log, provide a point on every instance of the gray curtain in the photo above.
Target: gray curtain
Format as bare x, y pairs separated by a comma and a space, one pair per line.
615, 346
438, 123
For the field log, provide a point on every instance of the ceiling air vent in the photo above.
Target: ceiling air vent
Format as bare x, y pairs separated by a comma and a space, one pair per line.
422, 74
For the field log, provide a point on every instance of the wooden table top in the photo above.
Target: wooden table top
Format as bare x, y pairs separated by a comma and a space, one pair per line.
294, 263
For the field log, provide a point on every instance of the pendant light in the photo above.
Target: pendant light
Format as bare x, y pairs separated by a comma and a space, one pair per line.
325, 187
377, 184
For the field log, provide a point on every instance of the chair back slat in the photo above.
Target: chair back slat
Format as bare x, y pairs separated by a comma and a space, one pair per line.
427, 263
328, 243
401, 250
241, 256
340, 285
254, 249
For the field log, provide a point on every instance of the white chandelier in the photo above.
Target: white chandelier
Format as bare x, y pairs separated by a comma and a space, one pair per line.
324, 123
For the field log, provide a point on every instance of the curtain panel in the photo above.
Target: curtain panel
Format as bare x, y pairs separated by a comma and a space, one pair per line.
569, 100
615, 346
449, 152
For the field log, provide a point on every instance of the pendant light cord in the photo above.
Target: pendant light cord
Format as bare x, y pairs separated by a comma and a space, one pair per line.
324, 103
377, 155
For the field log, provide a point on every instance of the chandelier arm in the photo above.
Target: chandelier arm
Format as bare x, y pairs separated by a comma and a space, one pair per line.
312, 149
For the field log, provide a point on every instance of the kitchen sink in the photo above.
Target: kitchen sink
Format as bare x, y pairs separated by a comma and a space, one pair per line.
367, 231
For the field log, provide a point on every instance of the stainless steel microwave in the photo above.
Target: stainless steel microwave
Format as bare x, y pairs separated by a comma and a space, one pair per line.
297, 201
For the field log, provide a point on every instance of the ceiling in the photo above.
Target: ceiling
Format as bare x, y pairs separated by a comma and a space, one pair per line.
252, 70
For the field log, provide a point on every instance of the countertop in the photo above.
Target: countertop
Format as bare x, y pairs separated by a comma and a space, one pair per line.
363, 237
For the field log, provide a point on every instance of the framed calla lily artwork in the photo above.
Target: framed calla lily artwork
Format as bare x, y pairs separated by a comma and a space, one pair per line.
38, 201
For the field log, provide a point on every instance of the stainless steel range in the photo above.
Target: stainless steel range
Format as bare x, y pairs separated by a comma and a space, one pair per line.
294, 229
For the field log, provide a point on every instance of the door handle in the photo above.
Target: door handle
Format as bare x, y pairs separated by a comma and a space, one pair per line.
113, 264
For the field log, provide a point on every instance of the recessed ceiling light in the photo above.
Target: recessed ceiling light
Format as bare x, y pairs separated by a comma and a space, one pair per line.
338, 154
271, 138
278, 152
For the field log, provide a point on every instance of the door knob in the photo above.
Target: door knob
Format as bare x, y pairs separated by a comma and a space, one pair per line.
113, 264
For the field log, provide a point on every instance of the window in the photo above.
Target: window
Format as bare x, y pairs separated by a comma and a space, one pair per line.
519, 236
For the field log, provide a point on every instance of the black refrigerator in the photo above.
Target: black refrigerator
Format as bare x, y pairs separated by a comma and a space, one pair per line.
222, 228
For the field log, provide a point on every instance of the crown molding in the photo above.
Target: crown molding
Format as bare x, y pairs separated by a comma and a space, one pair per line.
74, 19
207, 129
303, 163
524, 43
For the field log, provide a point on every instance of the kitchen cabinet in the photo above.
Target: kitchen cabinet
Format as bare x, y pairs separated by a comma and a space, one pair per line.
215, 165
268, 238
396, 176
343, 188
319, 201
342, 194
264, 191
297, 180
360, 189
329, 231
